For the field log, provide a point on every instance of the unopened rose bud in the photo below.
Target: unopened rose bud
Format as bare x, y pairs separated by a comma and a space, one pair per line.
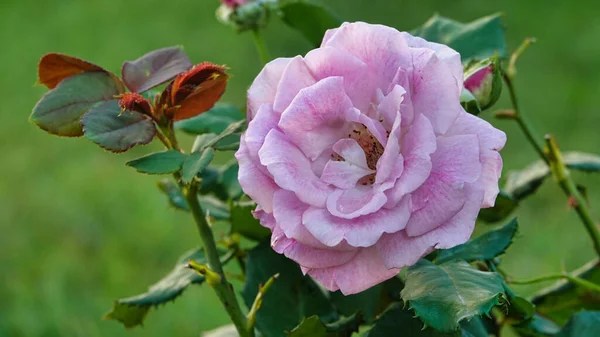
135, 102
484, 81
244, 14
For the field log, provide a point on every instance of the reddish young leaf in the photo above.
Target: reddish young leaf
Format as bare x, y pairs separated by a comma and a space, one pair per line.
135, 102
197, 90
55, 67
154, 68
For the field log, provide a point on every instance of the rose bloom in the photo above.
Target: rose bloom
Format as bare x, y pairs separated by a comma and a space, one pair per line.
234, 3
361, 158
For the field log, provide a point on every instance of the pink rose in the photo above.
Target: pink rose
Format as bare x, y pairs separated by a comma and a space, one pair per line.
361, 158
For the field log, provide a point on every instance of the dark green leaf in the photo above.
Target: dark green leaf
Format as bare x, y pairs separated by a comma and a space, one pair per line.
484, 247
196, 162
519, 308
131, 311
443, 295
215, 120
523, 183
159, 162
366, 302
202, 141
474, 327
106, 126
397, 318
154, 68
583, 324
215, 207
291, 297
479, 39
559, 301
587, 162
505, 204
229, 143
243, 222
176, 198
59, 111
538, 326
313, 327
309, 18
228, 178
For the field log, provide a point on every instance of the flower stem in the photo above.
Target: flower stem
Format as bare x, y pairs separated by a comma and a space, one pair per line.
221, 286
261, 46
258, 301
575, 280
563, 177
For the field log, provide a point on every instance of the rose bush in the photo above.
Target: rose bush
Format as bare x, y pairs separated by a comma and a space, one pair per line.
361, 158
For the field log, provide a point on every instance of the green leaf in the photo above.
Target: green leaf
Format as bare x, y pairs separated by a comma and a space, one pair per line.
587, 162
538, 326
106, 126
479, 39
521, 184
229, 143
559, 301
59, 111
215, 120
310, 19
159, 162
196, 162
313, 327
176, 198
443, 295
505, 204
484, 247
131, 311
155, 68
582, 324
243, 222
366, 302
202, 141
291, 297
228, 178
215, 207
397, 318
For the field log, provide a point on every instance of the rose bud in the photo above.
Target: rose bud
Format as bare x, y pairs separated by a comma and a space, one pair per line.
244, 14
135, 102
234, 3
195, 91
484, 82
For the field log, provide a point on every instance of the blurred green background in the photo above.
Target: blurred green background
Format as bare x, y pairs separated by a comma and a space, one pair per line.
79, 229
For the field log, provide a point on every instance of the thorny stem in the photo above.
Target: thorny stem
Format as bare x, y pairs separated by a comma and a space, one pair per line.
221, 286
261, 46
575, 280
258, 301
562, 176
553, 158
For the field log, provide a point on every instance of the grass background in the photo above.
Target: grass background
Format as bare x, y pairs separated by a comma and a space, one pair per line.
78, 229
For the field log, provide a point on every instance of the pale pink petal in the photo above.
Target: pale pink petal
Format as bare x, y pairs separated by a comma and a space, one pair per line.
291, 170
389, 107
491, 140
253, 181
355, 202
374, 126
399, 250
266, 219
349, 149
264, 87
435, 91
314, 121
363, 231
296, 77
417, 146
391, 153
365, 270
343, 174
455, 162
358, 81
403, 78
264, 120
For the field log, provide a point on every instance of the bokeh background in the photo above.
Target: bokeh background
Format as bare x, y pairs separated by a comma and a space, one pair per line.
79, 229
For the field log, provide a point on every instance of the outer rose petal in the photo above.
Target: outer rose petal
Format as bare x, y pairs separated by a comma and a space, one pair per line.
365, 270
399, 250
253, 181
258, 128
295, 77
264, 87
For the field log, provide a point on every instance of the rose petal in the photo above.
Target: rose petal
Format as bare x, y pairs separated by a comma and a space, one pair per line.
264, 87
314, 121
295, 77
253, 181
291, 170
355, 202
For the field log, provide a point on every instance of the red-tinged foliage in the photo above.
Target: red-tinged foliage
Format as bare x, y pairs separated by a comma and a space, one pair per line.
55, 67
135, 102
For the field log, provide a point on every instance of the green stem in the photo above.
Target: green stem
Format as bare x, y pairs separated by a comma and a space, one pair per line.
575, 280
563, 177
258, 301
261, 46
222, 287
